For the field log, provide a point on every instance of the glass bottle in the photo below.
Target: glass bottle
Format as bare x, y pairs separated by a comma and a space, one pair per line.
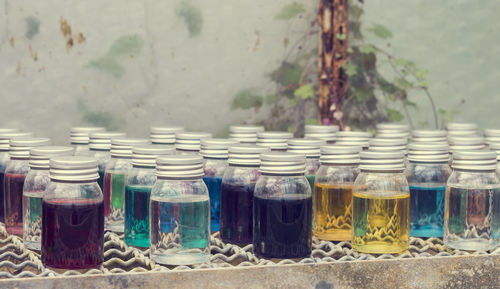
282, 208
15, 173
328, 133
215, 154
115, 176
274, 140
236, 197
311, 149
140, 180
73, 215
246, 134
164, 135
4, 160
472, 208
79, 138
180, 212
332, 194
100, 146
427, 173
188, 143
35, 184
381, 204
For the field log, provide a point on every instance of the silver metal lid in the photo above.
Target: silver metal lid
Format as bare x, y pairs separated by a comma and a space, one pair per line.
337, 154
466, 133
381, 142
190, 141
327, 136
429, 133
353, 134
246, 155
245, 133
310, 147
381, 161
312, 128
39, 156
164, 134
461, 126
6, 137
80, 134
275, 140
102, 140
20, 147
282, 163
216, 148
440, 140
461, 141
428, 152
491, 132
353, 143
8, 130
496, 147
393, 135
481, 160
73, 168
403, 127
179, 166
492, 139
146, 155
122, 146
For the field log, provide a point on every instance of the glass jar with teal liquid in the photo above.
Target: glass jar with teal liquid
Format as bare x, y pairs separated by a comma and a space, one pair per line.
311, 149
140, 180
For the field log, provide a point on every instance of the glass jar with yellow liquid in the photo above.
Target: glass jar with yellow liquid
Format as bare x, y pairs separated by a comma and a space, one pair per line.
332, 200
381, 204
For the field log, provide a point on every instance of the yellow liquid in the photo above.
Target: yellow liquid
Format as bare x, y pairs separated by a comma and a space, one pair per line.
332, 212
381, 223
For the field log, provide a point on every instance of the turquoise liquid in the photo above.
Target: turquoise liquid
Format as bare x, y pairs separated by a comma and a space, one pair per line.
310, 179
427, 211
214, 187
137, 216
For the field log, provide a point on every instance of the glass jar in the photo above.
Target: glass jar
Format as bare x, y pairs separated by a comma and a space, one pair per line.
332, 194
100, 146
115, 176
73, 215
236, 197
35, 184
188, 143
140, 180
472, 208
164, 135
381, 204
274, 140
79, 138
246, 134
427, 174
180, 212
310, 148
327, 133
4, 160
215, 154
15, 173
282, 206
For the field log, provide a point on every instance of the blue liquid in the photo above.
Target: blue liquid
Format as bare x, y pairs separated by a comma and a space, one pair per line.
427, 211
137, 216
214, 187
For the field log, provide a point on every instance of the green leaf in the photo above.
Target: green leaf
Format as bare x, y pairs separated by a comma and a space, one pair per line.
362, 94
350, 69
411, 103
341, 36
127, 44
421, 74
291, 128
33, 29
367, 48
192, 17
423, 123
403, 83
349, 50
246, 99
289, 11
288, 74
293, 102
271, 98
444, 114
424, 84
109, 65
394, 115
312, 121
405, 62
305, 91
381, 31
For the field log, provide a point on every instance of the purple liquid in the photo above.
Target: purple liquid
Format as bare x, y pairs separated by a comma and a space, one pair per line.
236, 206
2, 214
72, 233
13, 202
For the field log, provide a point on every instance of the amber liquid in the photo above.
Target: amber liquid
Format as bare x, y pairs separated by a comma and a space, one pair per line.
333, 212
381, 222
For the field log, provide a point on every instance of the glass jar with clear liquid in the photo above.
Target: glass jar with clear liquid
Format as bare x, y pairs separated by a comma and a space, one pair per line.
115, 177
79, 138
427, 174
179, 212
100, 146
140, 180
189, 143
309, 147
332, 194
381, 204
472, 208
35, 184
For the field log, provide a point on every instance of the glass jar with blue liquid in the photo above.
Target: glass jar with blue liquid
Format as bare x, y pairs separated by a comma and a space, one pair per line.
140, 180
427, 174
215, 154
179, 212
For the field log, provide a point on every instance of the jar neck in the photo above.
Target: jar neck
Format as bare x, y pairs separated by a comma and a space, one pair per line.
283, 175
180, 179
245, 166
474, 171
382, 171
73, 182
